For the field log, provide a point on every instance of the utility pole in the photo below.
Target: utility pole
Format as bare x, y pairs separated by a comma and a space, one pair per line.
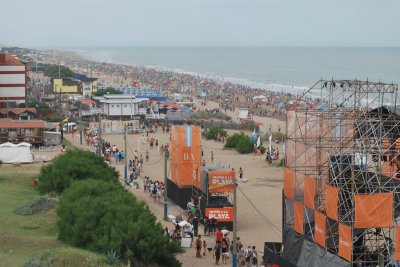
99, 135
234, 250
126, 153
166, 155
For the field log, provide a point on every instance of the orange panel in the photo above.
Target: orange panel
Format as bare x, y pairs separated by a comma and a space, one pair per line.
309, 191
320, 229
288, 183
221, 181
374, 210
397, 243
298, 217
331, 203
345, 242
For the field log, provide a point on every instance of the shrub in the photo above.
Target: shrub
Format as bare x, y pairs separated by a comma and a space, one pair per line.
75, 164
213, 132
241, 142
35, 206
104, 217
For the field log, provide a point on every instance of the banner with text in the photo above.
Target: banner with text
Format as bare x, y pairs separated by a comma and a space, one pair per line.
221, 181
221, 214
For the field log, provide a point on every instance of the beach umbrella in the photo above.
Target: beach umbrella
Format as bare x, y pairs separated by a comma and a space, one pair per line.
259, 123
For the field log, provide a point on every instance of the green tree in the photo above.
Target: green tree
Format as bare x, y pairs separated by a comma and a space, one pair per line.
108, 90
213, 132
56, 71
103, 216
74, 165
241, 142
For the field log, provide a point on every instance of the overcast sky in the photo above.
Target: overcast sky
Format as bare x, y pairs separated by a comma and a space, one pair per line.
65, 23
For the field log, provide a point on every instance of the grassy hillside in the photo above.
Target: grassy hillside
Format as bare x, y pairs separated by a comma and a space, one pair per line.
25, 237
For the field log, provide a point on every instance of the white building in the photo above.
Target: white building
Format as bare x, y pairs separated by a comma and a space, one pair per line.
122, 105
12, 81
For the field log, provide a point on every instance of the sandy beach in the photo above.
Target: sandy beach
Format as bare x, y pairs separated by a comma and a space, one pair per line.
259, 200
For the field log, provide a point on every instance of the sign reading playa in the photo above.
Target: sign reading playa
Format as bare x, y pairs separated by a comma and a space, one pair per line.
221, 214
221, 181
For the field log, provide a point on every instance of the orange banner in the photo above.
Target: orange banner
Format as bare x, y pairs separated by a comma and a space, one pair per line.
298, 217
397, 243
320, 229
331, 202
221, 181
309, 191
374, 210
221, 214
288, 183
345, 242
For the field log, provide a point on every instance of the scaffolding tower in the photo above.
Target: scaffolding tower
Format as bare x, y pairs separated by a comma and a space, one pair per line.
342, 176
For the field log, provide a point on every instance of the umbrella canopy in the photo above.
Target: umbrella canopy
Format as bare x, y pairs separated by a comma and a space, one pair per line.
259, 123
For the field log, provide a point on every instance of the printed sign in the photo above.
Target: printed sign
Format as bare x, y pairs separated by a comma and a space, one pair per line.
221, 214
221, 181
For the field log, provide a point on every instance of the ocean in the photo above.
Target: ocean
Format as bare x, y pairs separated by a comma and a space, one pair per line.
276, 68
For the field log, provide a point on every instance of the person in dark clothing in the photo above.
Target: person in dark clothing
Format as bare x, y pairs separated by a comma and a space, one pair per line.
195, 225
217, 252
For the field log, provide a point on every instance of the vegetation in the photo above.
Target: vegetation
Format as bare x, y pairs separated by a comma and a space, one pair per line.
40, 105
108, 90
32, 240
56, 71
75, 164
213, 132
104, 217
241, 142
209, 115
22, 105
35, 206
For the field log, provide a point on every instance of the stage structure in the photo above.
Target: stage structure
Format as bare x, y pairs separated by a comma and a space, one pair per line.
342, 177
185, 160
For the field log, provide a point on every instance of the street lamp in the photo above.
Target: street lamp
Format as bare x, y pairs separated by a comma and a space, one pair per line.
234, 250
166, 155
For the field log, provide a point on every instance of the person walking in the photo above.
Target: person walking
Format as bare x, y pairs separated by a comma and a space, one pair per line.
240, 173
217, 252
199, 245
212, 156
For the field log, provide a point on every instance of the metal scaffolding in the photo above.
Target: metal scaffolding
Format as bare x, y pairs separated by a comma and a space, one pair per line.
347, 140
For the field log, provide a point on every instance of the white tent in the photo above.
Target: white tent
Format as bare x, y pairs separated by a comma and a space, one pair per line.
12, 153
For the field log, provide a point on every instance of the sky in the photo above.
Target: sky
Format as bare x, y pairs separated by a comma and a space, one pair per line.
86, 23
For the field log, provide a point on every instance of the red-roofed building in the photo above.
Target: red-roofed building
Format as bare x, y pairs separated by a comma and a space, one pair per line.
17, 131
13, 84
18, 113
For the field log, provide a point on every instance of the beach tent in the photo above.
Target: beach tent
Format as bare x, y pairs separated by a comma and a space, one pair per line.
16, 153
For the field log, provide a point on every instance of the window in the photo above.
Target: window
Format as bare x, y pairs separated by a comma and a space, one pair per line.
117, 106
125, 106
112, 106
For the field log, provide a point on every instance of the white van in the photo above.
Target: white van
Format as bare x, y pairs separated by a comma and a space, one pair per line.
69, 125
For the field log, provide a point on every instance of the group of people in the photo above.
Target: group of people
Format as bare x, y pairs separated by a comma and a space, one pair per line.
155, 189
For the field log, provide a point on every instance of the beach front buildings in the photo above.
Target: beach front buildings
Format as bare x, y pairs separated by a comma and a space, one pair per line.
13, 84
120, 106
84, 86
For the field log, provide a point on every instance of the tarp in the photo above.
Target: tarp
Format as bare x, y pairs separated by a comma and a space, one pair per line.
309, 191
20, 153
331, 204
320, 229
373, 210
288, 183
292, 245
298, 217
397, 243
345, 242
313, 255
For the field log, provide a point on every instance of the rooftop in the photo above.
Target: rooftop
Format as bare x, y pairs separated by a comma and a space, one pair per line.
8, 60
16, 124
17, 110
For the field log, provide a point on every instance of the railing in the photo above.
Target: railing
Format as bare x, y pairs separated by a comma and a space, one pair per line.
155, 116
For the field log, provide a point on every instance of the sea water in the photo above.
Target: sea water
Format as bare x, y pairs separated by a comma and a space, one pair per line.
277, 68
